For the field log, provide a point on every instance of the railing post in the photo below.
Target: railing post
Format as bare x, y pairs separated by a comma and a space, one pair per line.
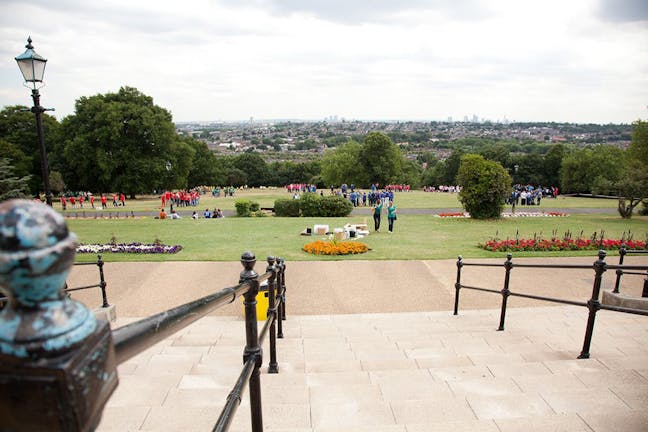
252, 348
273, 366
508, 265
593, 304
57, 361
280, 294
458, 284
644, 292
283, 289
622, 253
102, 281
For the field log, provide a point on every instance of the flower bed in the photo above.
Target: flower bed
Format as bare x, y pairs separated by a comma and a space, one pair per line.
535, 214
507, 214
320, 247
151, 248
554, 244
453, 215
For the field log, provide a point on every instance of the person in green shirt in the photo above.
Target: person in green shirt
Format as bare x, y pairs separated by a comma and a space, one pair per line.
391, 215
377, 208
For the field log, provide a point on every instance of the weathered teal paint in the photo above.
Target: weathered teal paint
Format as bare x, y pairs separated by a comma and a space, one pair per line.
36, 254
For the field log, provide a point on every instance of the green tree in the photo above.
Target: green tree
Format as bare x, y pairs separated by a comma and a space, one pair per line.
582, 169
497, 152
343, 165
484, 186
203, 164
12, 186
120, 142
451, 168
639, 146
552, 163
19, 143
381, 158
530, 169
255, 168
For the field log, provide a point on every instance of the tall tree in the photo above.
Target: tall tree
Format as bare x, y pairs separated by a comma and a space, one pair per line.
255, 168
639, 145
12, 186
119, 142
19, 143
582, 169
381, 158
203, 164
552, 163
343, 165
451, 168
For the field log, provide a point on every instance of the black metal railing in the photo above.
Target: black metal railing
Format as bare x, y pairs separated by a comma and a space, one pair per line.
593, 304
63, 384
102, 283
138, 336
623, 251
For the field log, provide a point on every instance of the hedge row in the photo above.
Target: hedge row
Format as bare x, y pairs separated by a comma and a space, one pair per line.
313, 205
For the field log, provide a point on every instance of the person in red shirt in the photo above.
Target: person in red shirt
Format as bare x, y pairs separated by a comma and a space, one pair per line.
73, 202
92, 201
104, 201
63, 203
122, 200
81, 201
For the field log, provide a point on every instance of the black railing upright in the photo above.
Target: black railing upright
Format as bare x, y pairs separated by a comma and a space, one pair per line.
593, 304
58, 363
623, 251
101, 284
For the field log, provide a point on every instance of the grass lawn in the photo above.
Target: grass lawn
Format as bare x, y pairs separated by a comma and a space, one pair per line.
415, 237
267, 197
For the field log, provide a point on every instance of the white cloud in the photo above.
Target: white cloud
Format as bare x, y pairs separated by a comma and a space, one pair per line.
419, 59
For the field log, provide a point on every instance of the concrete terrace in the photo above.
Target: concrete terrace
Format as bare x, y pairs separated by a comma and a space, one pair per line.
397, 362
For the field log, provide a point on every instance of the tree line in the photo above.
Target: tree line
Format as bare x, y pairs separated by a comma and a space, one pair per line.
124, 142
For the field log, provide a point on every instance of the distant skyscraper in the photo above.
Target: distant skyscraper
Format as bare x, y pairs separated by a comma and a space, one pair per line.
450, 119
475, 119
465, 119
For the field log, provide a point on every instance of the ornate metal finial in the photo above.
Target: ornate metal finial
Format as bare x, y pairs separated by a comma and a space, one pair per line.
36, 254
270, 260
29, 43
248, 260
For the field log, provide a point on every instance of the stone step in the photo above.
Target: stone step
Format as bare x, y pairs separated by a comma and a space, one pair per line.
400, 372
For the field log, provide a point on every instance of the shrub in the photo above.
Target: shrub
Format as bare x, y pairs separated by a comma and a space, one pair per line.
334, 206
285, 207
309, 205
484, 186
244, 208
254, 207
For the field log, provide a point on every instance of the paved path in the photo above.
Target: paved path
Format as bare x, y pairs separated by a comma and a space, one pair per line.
347, 366
343, 287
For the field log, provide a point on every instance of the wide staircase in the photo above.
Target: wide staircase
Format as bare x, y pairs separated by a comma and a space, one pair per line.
399, 372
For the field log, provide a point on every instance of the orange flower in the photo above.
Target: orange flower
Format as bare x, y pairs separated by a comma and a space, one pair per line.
320, 247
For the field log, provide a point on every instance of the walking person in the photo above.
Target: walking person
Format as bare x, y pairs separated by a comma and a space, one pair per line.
391, 215
377, 208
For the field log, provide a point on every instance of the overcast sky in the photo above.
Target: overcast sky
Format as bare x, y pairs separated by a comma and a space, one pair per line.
525, 60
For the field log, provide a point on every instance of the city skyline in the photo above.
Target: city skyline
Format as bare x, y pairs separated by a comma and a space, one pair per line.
584, 61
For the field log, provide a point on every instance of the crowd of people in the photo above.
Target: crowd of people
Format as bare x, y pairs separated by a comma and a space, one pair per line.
528, 195
442, 188
87, 198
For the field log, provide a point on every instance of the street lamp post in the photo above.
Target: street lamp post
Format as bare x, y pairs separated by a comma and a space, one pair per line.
32, 67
